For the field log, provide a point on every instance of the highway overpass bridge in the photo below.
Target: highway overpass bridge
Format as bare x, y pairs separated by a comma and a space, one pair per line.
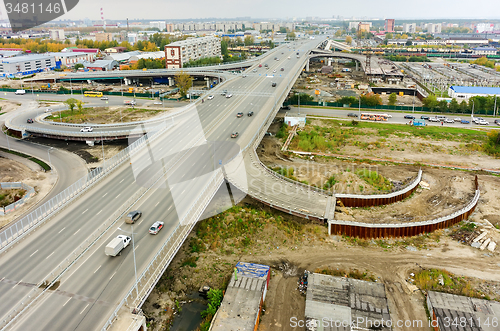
171, 175
66, 282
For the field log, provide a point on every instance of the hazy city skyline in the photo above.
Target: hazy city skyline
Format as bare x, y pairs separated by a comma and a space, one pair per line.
280, 9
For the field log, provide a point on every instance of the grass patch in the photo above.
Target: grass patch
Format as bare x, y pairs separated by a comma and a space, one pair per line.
286, 172
374, 179
44, 165
354, 273
330, 183
2, 113
282, 133
444, 281
9, 196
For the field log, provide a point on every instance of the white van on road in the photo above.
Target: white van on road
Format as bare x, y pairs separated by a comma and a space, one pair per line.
20, 92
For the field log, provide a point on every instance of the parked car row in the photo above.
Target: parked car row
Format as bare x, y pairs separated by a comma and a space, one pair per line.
444, 119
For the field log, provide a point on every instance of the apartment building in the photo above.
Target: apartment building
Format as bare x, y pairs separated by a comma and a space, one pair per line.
409, 27
191, 49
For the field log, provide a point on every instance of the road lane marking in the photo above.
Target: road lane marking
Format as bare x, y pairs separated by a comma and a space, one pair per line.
34, 253
99, 212
85, 308
169, 208
117, 195
67, 302
97, 268
85, 211
157, 203
17, 283
122, 180
105, 195
136, 248
77, 231
112, 275
50, 255
62, 230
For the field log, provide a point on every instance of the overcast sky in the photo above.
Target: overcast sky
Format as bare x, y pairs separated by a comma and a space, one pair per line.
261, 9
178, 9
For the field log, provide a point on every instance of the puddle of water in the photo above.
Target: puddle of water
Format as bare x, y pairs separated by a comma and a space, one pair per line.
190, 317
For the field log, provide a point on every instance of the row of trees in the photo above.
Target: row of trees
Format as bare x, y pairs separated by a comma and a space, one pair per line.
403, 58
480, 104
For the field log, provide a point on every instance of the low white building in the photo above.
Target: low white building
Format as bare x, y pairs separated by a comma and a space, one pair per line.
69, 59
484, 51
466, 92
27, 64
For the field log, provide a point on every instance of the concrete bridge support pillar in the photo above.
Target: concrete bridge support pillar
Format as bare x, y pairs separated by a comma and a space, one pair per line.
357, 65
307, 65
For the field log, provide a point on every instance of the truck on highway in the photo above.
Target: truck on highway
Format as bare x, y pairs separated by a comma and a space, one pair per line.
115, 246
129, 102
20, 92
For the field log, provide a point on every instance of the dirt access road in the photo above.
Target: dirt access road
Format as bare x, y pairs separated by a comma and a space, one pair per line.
391, 267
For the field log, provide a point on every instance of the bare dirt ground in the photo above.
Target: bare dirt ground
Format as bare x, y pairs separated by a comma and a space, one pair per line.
14, 171
8, 106
304, 246
93, 155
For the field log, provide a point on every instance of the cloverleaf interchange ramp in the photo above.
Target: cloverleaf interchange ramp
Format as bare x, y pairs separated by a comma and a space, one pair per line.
172, 178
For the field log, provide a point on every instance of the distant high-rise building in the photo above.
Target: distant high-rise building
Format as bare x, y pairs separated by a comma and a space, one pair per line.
389, 25
57, 34
434, 27
409, 27
160, 25
363, 27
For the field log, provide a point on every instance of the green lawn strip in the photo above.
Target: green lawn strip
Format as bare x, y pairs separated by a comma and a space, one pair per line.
44, 165
2, 113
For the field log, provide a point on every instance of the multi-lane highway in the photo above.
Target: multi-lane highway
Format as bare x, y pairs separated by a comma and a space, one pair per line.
90, 290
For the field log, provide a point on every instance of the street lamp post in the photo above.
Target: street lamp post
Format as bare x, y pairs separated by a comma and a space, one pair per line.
48, 153
135, 265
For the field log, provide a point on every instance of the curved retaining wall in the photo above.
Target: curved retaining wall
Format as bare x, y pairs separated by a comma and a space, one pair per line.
353, 200
373, 231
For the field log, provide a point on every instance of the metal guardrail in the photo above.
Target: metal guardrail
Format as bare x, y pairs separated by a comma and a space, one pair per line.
28, 222
30, 191
147, 280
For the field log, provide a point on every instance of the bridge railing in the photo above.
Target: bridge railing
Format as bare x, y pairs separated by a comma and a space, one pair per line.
146, 281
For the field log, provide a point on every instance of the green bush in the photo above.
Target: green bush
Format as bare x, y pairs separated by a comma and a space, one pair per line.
374, 179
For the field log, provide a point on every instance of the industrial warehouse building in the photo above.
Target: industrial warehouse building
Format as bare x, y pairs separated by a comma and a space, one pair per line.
245, 294
338, 303
192, 49
466, 92
470, 313
27, 64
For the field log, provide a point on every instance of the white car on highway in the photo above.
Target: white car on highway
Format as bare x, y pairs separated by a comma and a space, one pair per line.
210, 97
482, 122
87, 129
156, 227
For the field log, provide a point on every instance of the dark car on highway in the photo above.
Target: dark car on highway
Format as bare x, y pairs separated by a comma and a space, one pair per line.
464, 122
250, 113
352, 115
424, 117
409, 117
234, 135
497, 122
29, 120
239, 114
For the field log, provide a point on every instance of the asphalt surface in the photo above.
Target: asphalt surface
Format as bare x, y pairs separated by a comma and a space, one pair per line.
90, 290
69, 167
397, 117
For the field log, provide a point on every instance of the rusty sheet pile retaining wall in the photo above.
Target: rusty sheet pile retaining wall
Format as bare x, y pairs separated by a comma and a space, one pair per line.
372, 231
